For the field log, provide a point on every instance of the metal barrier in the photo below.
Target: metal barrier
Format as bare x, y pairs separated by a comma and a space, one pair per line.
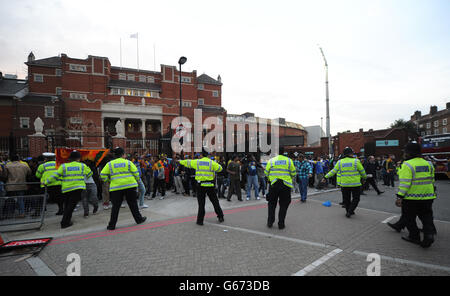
19, 210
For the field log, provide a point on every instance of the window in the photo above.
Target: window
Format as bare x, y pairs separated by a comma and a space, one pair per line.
201, 101
49, 111
122, 76
201, 87
186, 104
142, 78
115, 91
131, 77
215, 93
428, 125
444, 130
436, 123
422, 133
444, 121
78, 68
58, 72
24, 122
122, 91
436, 131
428, 132
38, 78
186, 79
78, 96
77, 135
151, 79
58, 91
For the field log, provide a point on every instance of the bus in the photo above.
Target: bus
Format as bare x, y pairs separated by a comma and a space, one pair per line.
437, 149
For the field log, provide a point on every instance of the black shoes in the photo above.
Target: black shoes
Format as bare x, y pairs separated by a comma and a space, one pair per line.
59, 213
200, 223
269, 225
111, 228
228, 199
428, 240
395, 227
281, 226
380, 192
348, 215
411, 239
95, 210
221, 219
143, 220
66, 226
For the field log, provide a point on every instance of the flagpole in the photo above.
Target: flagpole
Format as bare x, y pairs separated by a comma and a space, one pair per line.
154, 57
120, 52
137, 42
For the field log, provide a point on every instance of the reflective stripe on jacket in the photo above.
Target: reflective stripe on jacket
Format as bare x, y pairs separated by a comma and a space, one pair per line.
121, 173
281, 168
205, 170
45, 170
416, 178
350, 171
71, 176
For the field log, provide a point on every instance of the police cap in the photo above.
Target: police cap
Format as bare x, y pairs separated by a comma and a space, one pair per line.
348, 151
413, 148
75, 155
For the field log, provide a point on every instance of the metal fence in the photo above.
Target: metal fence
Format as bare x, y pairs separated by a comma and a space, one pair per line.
19, 211
143, 147
14, 145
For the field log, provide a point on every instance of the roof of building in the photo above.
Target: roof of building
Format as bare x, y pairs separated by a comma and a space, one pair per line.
205, 79
47, 62
10, 87
134, 85
243, 117
135, 70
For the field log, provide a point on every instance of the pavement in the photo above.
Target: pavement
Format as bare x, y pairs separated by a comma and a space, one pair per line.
317, 240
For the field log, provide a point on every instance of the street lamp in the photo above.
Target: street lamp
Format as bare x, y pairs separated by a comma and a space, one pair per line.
181, 61
327, 103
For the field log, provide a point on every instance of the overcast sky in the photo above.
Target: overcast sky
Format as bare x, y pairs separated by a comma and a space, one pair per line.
386, 58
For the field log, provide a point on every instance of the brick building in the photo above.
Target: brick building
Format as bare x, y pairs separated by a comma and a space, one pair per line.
434, 123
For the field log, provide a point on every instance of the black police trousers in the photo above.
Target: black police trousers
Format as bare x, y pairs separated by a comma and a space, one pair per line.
117, 197
351, 197
70, 202
282, 193
422, 209
202, 191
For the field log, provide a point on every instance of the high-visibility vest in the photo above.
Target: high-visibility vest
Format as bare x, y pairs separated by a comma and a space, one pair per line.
122, 174
205, 170
71, 176
45, 170
417, 180
350, 171
281, 168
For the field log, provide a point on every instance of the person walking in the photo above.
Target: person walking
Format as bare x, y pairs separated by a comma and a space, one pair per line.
205, 170
72, 176
351, 172
123, 177
90, 194
371, 168
160, 178
234, 173
416, 193
44, 171
252, 178
17, 173
280, 171
390, 171
177, 176
304, 172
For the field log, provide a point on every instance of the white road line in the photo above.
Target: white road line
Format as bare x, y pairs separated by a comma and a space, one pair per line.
404, 261
317, 263
39, 267
388, 219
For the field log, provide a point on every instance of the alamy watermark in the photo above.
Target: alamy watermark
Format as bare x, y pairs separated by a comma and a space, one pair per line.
238, 132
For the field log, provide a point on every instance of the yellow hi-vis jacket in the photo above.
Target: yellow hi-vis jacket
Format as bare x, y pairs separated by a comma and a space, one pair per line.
122, 174
205, 170
350, 170
281, 168
71, 176
45, 170
416, 180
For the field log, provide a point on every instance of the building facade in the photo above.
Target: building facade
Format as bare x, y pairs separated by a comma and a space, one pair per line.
434, 123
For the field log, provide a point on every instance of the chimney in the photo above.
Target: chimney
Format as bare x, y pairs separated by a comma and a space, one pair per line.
1, 75
448, 105
361, 130
219, 79
433, 110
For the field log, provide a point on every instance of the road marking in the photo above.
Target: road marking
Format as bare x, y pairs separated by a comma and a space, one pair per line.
388, 219
317, 263
300, 241
410, 262
39, 267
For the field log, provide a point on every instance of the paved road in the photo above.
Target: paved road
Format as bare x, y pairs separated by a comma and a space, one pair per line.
318, 240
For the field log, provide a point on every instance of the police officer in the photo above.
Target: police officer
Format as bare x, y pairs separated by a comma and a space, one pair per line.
44, 171
205, 170
416, 194
122, 175
350, 172
280, 171
72, 176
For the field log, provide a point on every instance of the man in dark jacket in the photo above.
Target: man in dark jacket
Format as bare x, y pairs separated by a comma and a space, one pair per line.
371, 168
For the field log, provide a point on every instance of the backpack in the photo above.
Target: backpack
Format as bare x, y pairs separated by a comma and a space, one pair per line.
161, 173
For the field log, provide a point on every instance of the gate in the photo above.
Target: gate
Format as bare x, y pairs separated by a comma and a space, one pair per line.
143, 147
86, 141
14, 145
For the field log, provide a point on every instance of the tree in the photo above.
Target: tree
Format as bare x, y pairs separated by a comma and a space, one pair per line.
410, 127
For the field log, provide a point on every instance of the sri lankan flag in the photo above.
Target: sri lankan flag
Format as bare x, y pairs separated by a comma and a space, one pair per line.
96, 155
